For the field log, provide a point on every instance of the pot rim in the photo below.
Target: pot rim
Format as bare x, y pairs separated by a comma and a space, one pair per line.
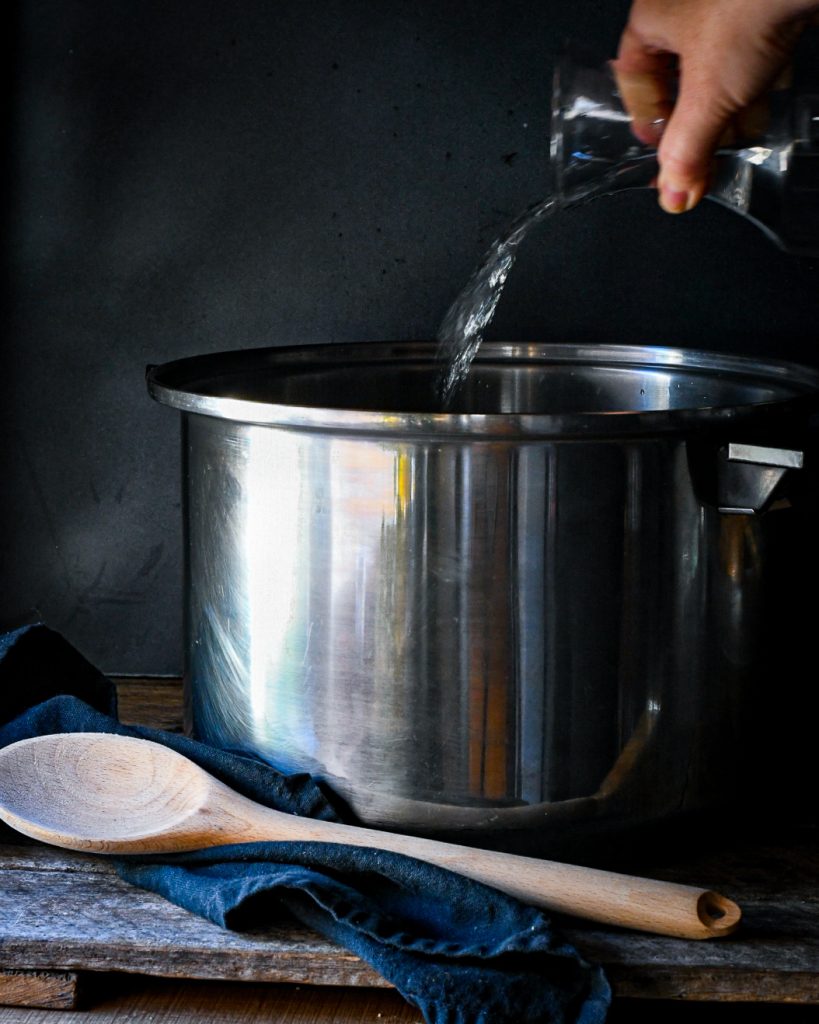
187, 384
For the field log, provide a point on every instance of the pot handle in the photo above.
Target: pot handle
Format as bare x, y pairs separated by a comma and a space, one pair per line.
748, 477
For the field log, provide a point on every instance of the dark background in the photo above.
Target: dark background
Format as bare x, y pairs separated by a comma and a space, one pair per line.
184, 178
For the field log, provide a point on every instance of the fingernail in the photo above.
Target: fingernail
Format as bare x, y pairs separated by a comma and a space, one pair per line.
674, 201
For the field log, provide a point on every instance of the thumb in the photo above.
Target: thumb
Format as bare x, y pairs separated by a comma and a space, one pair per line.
699, 119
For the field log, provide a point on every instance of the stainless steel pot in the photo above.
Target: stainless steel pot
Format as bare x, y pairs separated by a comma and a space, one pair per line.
533, 614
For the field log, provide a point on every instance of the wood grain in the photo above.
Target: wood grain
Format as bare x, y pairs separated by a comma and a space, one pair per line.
124, 1000
154, 702
63, 910
51, 990
60, 910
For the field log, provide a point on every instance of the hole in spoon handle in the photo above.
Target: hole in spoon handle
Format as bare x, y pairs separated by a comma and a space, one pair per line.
717, 913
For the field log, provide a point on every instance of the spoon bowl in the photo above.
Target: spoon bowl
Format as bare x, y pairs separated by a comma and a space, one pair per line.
98, 789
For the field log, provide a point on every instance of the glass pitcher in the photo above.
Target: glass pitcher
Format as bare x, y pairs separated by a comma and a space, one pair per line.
773, 179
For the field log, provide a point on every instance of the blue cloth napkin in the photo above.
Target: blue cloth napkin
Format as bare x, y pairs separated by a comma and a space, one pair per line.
461, 952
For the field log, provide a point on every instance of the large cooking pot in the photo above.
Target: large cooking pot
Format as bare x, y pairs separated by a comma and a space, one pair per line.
534, 614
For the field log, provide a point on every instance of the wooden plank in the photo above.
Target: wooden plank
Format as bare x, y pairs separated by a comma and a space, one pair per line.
69, 912
50, 990
160, 1001
60, 910
63, 910
153, 702
728, 985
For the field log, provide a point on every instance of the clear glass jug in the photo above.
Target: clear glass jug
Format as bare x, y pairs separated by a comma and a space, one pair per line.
773, 180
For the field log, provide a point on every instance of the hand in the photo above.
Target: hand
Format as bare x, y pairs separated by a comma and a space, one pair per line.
727, 53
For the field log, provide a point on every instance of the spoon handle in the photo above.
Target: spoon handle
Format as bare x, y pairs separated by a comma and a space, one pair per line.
665, 908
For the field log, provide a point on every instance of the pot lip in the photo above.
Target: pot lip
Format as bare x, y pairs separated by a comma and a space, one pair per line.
183, 384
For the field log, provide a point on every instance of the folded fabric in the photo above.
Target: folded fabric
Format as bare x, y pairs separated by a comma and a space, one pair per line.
460, 951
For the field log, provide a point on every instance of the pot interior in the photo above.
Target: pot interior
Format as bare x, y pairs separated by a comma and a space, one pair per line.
517, 379
496, 387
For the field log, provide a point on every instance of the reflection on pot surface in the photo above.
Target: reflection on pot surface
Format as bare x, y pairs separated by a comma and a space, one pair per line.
482, 621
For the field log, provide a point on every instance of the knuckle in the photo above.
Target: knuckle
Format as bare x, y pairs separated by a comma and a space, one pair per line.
687, 166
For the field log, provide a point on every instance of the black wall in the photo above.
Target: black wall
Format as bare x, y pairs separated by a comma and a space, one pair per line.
190, 177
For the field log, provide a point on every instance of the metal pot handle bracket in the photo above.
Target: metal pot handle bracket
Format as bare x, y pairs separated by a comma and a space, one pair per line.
748, 477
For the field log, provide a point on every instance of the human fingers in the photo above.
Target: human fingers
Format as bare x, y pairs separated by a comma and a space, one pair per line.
645, 78
722, 96
700, 118
729, 53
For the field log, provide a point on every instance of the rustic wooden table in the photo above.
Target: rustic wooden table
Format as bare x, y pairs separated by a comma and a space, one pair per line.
72, 935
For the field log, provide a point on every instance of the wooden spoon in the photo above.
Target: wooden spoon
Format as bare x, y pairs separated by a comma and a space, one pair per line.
116, 794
